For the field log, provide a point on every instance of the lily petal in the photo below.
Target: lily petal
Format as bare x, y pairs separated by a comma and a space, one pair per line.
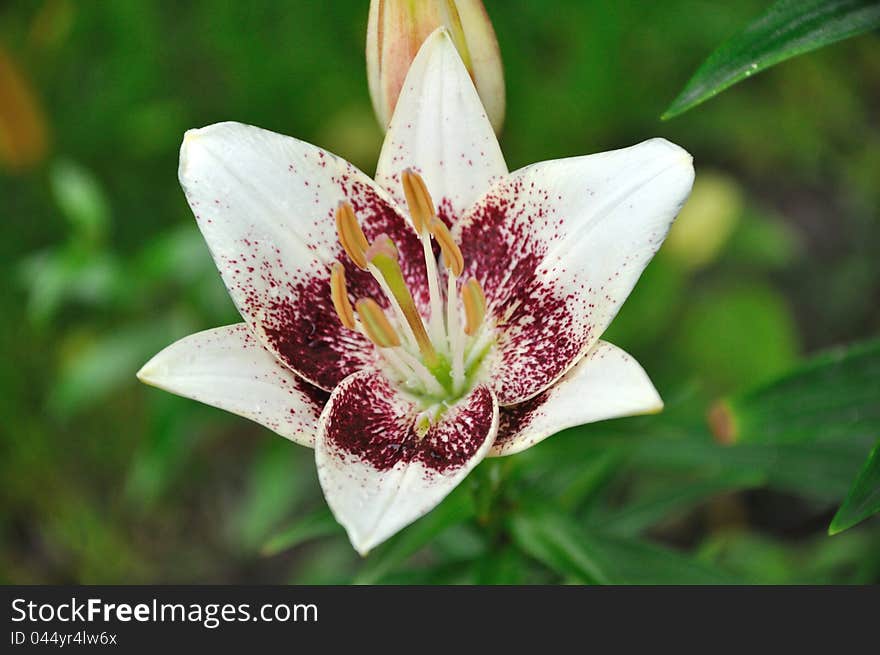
228, 368
606, 383
377, 474
557, 248
265, 204
440, 130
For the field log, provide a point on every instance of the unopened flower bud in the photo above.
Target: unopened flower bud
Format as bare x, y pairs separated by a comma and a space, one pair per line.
396, 31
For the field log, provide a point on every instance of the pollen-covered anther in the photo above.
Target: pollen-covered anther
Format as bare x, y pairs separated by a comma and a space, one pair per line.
339, 295
474, 301
421, 206
452, 257
351, 236
376, 325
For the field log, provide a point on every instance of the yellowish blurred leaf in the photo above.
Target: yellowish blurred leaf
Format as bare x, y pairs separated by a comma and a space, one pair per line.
24, 136
52, 23
706, 222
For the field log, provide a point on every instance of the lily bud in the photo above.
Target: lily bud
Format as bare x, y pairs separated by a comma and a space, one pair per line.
396, 30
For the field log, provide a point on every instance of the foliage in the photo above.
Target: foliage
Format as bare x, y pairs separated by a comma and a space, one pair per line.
788, 28
108, 481
863, 498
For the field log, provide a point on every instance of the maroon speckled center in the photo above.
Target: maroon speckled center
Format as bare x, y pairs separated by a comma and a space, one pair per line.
304, 328
370, 421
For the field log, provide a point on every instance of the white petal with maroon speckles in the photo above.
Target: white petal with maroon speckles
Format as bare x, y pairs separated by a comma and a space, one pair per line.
440, 130
606, 383
377, 475
265, 204
227, 367
559, 245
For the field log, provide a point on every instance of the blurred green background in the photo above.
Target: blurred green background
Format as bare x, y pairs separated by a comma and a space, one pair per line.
774, 258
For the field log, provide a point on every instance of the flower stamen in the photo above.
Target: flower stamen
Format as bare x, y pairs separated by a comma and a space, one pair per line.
435, 357
421, 206
339, 295
422, 212
376, 325
452, 257
474, 301
351, 236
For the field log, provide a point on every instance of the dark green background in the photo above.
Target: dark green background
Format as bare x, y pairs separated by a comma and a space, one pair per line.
105, 480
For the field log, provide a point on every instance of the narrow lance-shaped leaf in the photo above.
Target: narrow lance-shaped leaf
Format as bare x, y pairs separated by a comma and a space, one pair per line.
318, 524
558, 545
635, 517
833, 397
822, 470
789, 28
863, 498
501, 566
590, 557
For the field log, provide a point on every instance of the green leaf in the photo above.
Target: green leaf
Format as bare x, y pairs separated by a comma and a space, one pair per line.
834, 396
279, 479
818, 470
636, 562
500, 566
655, 301
633, 518
177, 254
758, 558
588, 479
559, 545
81, 199
789, 28
458, 572
591, 557
763, 241
736, 335
334, 563
317, 524
172, 432
863, 498
457, 508
69, 274
94, 366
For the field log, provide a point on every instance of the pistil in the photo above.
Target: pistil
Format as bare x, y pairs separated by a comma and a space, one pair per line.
389, 268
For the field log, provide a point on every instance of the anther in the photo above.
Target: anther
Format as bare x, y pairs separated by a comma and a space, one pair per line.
339, 295
350, 234
421, 207
452, 256
376, 325
474, 302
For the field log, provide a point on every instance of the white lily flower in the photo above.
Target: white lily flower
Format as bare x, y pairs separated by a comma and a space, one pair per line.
410, 326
